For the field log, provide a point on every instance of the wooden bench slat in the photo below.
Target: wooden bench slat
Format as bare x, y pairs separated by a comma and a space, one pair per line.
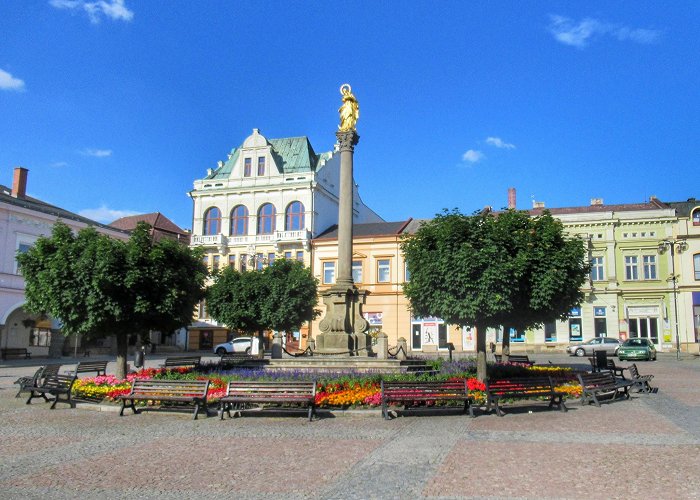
523, 388
14, 351
54, 385
182, 391
410, 392
603, 384
256, 392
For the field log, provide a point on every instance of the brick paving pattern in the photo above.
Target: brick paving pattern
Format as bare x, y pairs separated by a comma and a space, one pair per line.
648, 447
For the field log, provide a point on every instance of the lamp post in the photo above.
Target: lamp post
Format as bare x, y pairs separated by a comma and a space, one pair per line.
672, 245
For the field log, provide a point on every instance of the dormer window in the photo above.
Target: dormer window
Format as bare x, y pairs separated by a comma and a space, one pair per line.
261, 166
696, 217
247, 167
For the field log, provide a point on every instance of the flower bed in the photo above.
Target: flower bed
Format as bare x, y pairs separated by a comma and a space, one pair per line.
335, 389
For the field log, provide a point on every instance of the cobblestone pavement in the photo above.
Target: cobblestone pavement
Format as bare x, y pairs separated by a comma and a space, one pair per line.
647, 447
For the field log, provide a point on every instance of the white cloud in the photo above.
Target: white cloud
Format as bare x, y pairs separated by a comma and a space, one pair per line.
115, 10
473, 156
97, 153
568, 32
9, 82
499, 143
106, 215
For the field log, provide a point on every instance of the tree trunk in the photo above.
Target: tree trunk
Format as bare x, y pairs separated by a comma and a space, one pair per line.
481, 373
122, 350
505, 346
261, 336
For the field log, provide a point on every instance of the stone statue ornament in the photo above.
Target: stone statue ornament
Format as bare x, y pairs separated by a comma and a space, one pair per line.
349, 111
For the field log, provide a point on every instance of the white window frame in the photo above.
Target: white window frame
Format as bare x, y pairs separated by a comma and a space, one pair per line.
381, 267
598, 268
328, 272
649, 265
357, 271
631, 268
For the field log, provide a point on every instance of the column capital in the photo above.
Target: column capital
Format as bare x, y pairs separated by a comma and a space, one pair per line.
347, 140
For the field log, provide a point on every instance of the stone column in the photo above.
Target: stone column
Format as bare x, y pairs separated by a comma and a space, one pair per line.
344, 329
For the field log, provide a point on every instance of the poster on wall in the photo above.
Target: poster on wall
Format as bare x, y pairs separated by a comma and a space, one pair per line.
430, 333
468, 338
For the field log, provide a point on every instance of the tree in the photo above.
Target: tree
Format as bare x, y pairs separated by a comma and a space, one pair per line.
488, 270
97, 286
280, 297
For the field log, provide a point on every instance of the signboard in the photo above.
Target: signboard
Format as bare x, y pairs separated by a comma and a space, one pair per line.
468, 338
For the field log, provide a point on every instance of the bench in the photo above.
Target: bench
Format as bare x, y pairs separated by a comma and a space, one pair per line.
55, 385
36, 380
410, 393
522, 388
240, 393
91, 366
618, 371
15, 351
603, 384
181, 393
640, 382
515, 358
235, 357
182, 362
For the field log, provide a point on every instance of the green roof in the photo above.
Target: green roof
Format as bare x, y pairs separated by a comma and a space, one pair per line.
292, 155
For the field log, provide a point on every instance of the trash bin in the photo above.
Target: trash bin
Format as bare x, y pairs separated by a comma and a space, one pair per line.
139, 358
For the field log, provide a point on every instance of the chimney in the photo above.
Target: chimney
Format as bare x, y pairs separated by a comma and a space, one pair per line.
19, 182
537, 204
596, 201
511, 198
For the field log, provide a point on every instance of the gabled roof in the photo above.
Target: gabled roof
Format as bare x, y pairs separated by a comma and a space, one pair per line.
34, 204
291, 154
160, 223
367, 230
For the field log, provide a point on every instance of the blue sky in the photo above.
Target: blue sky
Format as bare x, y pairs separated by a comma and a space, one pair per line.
117, 106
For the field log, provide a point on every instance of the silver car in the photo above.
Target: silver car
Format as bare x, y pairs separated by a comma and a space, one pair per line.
239, 344
607, 344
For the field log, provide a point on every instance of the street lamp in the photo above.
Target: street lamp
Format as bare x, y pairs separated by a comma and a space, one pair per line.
681, 245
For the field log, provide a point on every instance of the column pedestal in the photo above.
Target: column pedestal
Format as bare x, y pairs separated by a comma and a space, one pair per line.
344, 329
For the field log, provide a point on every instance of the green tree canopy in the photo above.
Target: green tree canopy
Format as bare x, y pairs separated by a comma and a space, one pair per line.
280, 297
97, 286
488, 270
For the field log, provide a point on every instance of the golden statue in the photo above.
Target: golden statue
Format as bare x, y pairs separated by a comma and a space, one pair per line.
349, 111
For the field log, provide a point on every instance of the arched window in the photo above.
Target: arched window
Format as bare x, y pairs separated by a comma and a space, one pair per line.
212, 221
239, 221
294, 220
696, 266
696, 217
266, 219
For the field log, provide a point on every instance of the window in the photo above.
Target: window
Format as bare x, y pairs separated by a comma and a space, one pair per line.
328, 273
357, 271
239, 221
696, 217
259, 261
22, 247
300, 256
40, 337
406, 272
516, 335
261, 165
266, 219
232, 261
550, 331
696, 265
631, 271
247, 167
270, 258
597, 273
288, 255
649, 262
212, 221
383, 271
215, 263
294, 220
243, 263
205, 260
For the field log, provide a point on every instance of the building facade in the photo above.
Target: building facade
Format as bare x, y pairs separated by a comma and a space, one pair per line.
267, 200
23, 220
630, 291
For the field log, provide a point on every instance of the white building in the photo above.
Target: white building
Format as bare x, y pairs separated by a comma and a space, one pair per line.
22, 221
267, 200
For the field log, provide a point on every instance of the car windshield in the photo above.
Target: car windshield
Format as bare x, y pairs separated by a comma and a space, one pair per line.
636, 343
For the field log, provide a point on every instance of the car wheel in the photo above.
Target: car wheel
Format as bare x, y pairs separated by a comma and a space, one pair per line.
247, 350
580, 352
616, 351
221, 351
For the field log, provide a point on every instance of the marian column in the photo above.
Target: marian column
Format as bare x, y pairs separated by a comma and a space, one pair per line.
344, 329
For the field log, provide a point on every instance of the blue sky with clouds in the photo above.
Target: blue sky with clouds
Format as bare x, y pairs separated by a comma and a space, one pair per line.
117, 106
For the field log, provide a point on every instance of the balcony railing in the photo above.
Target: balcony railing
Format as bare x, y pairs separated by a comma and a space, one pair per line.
276, 237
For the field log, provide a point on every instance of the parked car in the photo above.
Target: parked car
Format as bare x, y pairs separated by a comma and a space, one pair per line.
607, 344
637, 348
239, 344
